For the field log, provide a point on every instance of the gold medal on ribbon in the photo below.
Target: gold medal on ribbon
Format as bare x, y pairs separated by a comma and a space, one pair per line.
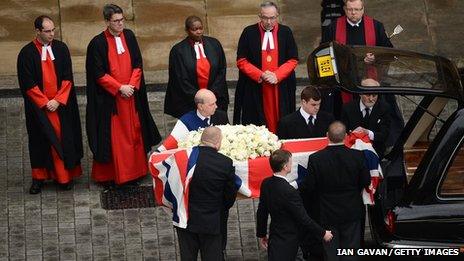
268, 58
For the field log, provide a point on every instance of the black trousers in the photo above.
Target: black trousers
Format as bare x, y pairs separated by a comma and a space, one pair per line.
345, 235
210, 246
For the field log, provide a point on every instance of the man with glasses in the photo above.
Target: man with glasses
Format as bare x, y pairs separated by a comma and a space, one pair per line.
52, 115
266, 57
356, 28
119, 125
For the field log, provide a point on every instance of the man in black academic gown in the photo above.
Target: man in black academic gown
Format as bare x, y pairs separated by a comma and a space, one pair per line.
184, 66
356, 28
102, 104
45, 73
266, 86
289, 219
308, 121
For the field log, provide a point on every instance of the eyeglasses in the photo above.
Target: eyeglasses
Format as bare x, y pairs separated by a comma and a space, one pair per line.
117, 21
265, 18
353, 10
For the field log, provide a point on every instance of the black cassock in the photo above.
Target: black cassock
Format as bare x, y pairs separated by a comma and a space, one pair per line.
101, 105
183, 83
332, 101
40, 131
248, 107
355, 35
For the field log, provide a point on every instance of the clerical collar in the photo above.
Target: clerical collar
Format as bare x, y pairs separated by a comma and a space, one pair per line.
261, 26
306, 115
280, 176
192, 42
40, 44
117, 38
108, 32
268, 38
46, 48
354, 24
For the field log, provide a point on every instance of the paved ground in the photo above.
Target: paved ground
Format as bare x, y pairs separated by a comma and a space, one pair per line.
71, 225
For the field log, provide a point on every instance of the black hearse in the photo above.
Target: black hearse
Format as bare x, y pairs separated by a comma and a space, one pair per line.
420, 202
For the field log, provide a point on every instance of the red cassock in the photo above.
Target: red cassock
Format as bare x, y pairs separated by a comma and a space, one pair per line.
270, 92
129, 158
369, 36
203, 68
41, 98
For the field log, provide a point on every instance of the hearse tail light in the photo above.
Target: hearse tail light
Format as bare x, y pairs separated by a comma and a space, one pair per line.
390, 222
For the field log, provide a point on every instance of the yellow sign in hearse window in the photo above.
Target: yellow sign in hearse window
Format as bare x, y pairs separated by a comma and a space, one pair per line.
324, 63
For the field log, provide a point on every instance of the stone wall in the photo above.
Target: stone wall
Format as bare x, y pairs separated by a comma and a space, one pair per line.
431, 26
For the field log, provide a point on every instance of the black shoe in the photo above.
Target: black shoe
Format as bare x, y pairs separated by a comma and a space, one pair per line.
67, 186
107, 185
132, 183
36, 187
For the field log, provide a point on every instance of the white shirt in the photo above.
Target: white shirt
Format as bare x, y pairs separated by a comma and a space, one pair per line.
307, 115
352, 24
203, 117
280, 176
363, 107
336, 144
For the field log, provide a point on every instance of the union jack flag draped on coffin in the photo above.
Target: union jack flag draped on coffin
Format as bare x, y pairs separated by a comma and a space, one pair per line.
172, 171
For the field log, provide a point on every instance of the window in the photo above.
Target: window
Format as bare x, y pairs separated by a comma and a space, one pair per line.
453, 183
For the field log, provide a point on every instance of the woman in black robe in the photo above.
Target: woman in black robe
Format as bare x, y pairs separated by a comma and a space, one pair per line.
196, 62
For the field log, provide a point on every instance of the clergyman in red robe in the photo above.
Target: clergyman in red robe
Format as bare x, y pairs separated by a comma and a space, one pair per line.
52, 115
119, 125
266, 57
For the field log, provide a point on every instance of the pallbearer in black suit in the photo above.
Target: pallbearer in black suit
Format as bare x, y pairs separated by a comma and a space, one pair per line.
308, 121
197, 62
369, 115
288, 216
212, 192
338, 174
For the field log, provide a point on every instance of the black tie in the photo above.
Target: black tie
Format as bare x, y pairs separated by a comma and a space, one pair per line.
206, 121
310, 122
365, 120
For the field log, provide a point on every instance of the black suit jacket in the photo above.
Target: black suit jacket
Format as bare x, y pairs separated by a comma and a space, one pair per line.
219, 118
379, 121
212, 191
355, 35
288, 218
337, 175
293, 126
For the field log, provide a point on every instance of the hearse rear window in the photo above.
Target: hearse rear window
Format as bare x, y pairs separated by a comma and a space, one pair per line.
453, 182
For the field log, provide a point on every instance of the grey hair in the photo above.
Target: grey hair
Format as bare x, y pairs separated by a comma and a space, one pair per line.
336, 132
111, 9
198, 100
269, 4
